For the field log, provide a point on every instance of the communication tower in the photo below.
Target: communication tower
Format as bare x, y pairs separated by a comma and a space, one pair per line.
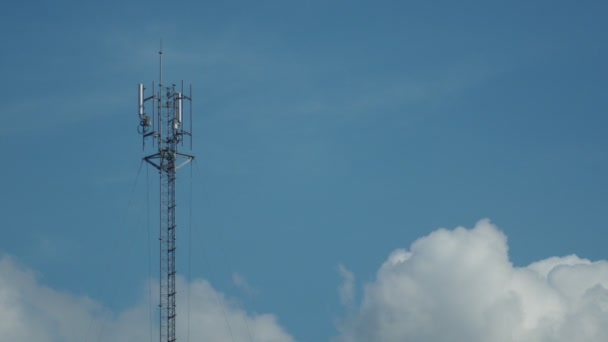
166, 129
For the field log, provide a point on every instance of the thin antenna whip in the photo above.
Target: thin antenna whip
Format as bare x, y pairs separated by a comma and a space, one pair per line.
160, 65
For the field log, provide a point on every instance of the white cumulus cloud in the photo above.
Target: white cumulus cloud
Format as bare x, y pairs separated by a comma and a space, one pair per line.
30, 311
459, 286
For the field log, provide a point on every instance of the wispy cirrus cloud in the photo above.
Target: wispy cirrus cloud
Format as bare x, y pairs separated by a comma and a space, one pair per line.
240, 282
346, 291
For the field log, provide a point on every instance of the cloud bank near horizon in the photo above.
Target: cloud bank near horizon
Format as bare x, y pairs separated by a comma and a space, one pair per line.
459, 285
30, 311
451, 285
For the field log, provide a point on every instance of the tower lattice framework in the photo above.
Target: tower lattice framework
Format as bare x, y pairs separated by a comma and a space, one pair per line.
165, 129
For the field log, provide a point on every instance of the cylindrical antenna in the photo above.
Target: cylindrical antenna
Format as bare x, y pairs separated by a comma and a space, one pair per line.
190, 116
153, 115
180, 116
178, 107
160, 95
159, 114
141, 99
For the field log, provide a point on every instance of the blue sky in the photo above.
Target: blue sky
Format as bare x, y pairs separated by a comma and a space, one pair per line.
326, 133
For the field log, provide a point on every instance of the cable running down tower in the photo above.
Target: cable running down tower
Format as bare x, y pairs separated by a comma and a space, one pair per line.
165, 128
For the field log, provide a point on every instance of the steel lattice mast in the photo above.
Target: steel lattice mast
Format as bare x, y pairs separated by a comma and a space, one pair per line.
165, 128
